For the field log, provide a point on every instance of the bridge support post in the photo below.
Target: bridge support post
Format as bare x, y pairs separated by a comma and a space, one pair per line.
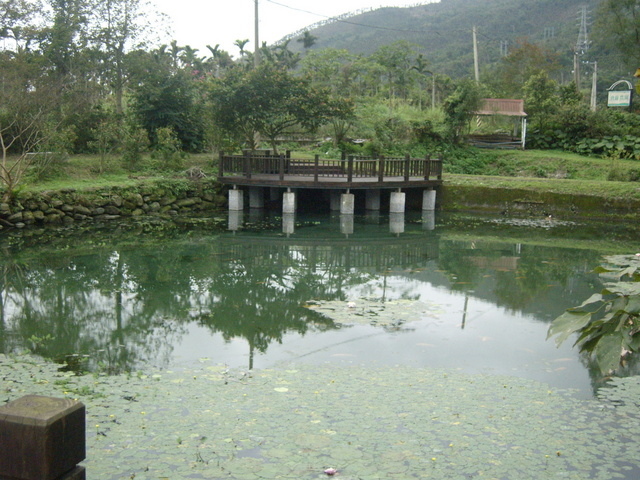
236, 200
428, 200
347, 204
288, 202
373, 200
397, 203
334, 200
256, 197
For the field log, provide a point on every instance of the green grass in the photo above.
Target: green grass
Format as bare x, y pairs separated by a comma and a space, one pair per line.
81, 172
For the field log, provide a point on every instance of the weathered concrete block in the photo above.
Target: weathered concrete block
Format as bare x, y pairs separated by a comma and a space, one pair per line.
42, 438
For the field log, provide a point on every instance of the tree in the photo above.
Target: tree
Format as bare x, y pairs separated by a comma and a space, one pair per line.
167, 98
460, 107
120, 26
541, 100
270, 101
398, 60
241, 43
524, 61
68, 36
12, 170
307, 40
617, 27
17, 19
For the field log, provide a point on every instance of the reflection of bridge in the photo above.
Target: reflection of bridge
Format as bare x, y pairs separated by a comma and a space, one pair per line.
374, 255
281, 173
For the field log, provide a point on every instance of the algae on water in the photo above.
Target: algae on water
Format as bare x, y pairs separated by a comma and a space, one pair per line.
295, 422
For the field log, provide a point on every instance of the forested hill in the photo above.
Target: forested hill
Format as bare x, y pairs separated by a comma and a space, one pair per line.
444, 29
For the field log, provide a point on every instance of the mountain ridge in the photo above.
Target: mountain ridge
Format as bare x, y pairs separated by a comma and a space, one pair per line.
442, 31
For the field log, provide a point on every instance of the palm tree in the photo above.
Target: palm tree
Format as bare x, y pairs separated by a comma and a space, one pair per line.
307, 40
241, 44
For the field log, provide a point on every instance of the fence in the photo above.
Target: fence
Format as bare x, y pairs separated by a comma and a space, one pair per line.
349, 168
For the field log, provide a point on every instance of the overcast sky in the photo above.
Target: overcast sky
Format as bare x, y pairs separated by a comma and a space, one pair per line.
201, 22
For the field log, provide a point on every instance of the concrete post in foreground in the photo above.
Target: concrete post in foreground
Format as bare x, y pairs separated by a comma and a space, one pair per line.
236, 200
429, 200
42, 438
347, 204
397, 202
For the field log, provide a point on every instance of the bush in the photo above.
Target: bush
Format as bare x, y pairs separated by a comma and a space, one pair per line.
167, 149
135, 144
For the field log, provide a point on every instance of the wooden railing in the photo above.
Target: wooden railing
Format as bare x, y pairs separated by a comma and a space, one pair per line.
351, 167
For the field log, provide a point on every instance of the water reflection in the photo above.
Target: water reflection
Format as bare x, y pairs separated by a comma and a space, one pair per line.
245, 297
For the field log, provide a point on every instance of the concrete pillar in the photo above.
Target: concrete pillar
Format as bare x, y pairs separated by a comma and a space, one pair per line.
256, 197
236, 200
236, 219
429, 200
288, 223
373, 200
396, 223
288, 202
346, 224
347, 203
428, 220
335, 200
397, 202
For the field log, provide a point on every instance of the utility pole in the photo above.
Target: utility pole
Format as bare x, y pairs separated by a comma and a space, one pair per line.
582, 45
594, 86
476, 68
256, 54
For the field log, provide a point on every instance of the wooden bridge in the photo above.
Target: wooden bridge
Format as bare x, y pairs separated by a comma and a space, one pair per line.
263, 169
351, 172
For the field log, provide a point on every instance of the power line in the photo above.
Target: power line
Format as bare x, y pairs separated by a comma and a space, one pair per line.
338, 19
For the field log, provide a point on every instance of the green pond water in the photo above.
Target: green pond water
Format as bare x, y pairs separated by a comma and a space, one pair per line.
256, 346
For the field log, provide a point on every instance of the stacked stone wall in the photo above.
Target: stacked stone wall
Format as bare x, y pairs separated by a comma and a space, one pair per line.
165, 198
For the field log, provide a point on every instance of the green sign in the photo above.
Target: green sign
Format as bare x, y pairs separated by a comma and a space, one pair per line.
621, 98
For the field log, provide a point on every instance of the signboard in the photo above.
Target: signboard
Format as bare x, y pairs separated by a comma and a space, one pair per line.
620, 98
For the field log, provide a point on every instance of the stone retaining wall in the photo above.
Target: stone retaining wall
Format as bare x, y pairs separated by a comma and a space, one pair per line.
162, 198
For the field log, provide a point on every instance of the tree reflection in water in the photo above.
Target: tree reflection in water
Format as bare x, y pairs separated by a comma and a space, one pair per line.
124, 298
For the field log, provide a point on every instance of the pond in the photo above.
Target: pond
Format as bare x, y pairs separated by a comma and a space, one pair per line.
464, 294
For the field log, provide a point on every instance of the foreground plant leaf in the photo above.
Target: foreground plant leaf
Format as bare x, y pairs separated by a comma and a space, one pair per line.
567, 324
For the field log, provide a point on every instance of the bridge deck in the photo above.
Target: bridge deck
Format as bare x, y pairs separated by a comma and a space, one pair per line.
351, 173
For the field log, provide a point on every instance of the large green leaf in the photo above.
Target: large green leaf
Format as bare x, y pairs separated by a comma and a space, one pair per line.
623, 288
633, 308
593, 302
608, 352
568, 323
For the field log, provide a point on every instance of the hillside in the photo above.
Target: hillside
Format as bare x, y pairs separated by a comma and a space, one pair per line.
444, 30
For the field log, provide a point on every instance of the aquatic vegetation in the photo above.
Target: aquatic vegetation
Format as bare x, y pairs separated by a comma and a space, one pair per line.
303, 422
